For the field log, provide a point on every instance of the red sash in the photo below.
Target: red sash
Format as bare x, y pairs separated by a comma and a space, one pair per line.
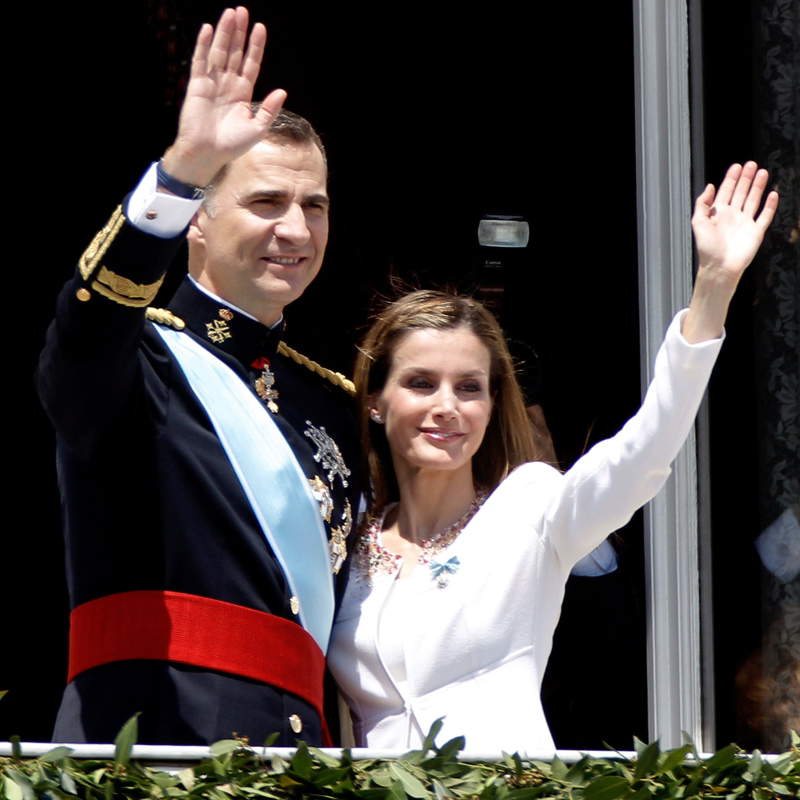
186, 628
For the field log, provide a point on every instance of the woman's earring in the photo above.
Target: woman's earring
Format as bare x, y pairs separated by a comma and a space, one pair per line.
375, 416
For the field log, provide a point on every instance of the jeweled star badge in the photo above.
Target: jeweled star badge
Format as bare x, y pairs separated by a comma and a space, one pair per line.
328, 453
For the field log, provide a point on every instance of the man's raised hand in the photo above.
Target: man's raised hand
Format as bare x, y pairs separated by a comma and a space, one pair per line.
216, 124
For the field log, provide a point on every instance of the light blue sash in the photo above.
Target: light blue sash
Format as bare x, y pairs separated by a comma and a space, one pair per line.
272, 480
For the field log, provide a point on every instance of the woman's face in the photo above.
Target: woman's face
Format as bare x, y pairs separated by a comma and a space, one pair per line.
436, 402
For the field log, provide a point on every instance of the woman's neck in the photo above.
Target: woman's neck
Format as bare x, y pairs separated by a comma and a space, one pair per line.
430, 502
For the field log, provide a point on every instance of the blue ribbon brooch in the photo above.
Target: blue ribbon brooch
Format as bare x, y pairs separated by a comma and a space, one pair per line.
441, 571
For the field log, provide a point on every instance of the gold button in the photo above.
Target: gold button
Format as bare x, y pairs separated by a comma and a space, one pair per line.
151, 215
296, 723
294, 604
83, 295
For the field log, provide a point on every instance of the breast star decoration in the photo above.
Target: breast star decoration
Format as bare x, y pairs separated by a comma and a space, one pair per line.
328, 455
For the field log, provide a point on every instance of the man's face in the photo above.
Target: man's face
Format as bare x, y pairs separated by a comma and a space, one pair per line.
261, 239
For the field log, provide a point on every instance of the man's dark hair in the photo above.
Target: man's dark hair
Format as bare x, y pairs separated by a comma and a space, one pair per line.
286, 127
297, 129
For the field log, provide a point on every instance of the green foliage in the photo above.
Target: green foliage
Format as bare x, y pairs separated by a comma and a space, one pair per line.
432, 773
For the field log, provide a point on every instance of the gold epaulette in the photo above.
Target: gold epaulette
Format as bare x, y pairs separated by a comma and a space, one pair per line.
163, 316
336, 378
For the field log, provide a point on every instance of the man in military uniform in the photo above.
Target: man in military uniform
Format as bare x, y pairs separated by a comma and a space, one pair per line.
207, 470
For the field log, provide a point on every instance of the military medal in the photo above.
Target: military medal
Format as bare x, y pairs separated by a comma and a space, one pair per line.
322, 495
264, 384
338, 541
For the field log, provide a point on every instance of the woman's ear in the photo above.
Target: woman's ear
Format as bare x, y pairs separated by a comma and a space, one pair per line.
374, 413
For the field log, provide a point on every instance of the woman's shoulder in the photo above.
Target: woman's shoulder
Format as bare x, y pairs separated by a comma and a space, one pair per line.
522, 480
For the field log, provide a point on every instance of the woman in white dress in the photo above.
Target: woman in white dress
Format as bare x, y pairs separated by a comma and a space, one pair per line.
456, 584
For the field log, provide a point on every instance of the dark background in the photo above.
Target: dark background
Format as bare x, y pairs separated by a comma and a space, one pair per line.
431, 117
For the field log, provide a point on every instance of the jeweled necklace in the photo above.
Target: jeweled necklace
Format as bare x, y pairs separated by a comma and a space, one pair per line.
374, 558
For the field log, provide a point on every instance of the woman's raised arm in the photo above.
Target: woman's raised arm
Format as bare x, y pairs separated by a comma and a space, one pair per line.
728, 230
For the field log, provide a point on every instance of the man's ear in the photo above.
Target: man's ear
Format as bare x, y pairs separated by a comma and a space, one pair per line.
196, 226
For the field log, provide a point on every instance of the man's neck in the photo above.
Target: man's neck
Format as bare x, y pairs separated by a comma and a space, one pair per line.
206, 291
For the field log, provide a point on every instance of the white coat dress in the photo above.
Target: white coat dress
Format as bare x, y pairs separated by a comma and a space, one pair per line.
475, 650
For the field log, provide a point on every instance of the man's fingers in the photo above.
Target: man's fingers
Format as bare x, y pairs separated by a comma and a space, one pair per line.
220, 45
200, 55
238, 39
726, 188
271, 106
255, 52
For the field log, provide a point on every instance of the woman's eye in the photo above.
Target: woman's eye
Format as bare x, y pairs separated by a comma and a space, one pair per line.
419, 383
471, 386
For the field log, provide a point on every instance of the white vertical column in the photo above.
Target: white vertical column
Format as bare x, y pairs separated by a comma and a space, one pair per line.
665, 277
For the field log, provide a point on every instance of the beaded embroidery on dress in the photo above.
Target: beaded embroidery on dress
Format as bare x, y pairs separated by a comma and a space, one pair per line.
372, 558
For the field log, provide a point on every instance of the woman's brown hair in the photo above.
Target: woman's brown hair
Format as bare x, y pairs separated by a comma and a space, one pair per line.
508, 441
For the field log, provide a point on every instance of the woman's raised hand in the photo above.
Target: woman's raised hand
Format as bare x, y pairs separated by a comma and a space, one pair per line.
729, 226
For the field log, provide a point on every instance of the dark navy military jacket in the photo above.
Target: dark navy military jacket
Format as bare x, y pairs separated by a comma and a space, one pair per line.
149, 498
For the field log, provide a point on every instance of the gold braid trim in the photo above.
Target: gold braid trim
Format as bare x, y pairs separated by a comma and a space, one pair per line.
124, 291
336, 378
102, 241
163, 316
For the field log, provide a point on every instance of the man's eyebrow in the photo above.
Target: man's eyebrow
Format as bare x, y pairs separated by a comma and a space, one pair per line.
265, 194
319, 199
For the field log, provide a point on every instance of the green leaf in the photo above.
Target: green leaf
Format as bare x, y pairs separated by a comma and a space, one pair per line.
67, 783
224, 746
676, 757
722, 758
558, 769
396, 792
606, 788
126, 738
430, 739
411, 785
639, 746
522, 794
754, 765
440, 791
22, 784
3, 693
56, 754
324, 758
576, 776
301, 763
381, 777
187, 778
271, 739
450, 749
779, 788
647, 760
13, 792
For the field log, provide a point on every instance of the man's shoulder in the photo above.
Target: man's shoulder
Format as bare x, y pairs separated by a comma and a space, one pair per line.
313, 372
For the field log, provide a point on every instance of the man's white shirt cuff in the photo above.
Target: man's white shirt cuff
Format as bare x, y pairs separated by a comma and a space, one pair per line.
160, 214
